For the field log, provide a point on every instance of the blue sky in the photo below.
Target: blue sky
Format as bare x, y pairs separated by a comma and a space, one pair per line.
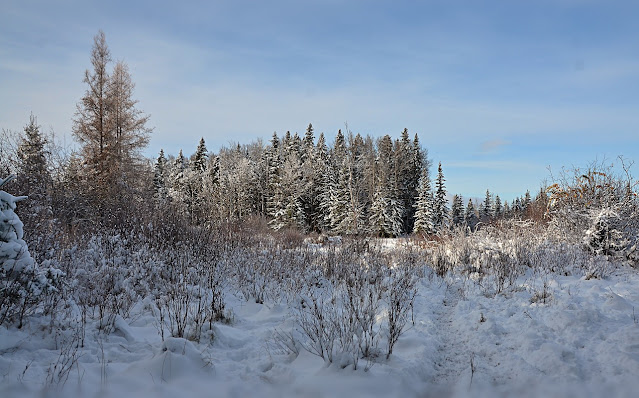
496, 90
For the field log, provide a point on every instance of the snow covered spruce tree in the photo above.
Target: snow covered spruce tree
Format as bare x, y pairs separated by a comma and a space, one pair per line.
34, 180
605, 236
424, 206
313, 166
385, 213
324, 183
160, 176
275, 200
341, 208
526, 202
387, 210
408, 162
440, 216
498, 210
470, 217
457, 211
487, 208
291, 184
33, 170
194, 182
21, 282
177, 179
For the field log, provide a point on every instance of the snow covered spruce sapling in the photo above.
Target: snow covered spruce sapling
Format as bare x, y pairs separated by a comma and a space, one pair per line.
21, 281
605, 235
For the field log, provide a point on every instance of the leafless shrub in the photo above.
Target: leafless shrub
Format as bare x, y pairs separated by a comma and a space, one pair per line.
313, 315
541, 296
284, 343
189, 290
190, 296
338, 320
252, 270
598, 267
400, 293
340, 315
58, 371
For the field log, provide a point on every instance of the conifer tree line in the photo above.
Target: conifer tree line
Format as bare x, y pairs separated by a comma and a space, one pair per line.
354, 185
357, 185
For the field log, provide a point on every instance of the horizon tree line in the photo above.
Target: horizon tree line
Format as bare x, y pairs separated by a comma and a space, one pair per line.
356, 185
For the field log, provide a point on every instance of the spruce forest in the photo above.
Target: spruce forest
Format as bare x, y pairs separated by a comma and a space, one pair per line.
294, 266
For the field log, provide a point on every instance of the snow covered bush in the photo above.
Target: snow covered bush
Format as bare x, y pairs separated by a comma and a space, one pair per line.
338, 322
188, 292
614, 233
497, 255
101, 279
401, 289
356, 302
598, 208
337, 310
254, 270
605, 235
22, 282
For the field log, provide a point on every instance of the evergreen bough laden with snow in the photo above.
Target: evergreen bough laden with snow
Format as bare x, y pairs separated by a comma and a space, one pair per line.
605, 236
487, 210
440, 218
470, 217
160, 190
386, 215
21, 281
424, 206
614, 232
457, 211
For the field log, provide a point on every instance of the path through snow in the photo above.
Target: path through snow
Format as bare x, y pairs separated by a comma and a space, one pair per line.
453, 360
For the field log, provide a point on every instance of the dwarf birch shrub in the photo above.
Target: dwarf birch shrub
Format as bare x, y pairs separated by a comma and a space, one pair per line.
354, 302
401, 289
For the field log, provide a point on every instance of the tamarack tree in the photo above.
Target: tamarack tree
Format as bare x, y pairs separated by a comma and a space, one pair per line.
109, 127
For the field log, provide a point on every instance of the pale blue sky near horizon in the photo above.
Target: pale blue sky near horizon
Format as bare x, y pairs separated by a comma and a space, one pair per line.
498, 91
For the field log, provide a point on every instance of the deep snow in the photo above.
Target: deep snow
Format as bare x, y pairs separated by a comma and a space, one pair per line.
550, 335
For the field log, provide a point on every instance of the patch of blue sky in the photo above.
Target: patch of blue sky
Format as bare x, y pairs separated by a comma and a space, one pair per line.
497, 90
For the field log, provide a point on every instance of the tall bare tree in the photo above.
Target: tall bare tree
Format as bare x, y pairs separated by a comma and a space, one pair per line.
130, 133
110, 128
91, 123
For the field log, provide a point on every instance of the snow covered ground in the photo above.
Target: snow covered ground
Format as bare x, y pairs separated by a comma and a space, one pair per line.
551, 336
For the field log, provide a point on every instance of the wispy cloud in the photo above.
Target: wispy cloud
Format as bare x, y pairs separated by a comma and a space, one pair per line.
493, 146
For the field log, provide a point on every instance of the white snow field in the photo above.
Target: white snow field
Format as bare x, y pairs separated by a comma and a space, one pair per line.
548, 336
